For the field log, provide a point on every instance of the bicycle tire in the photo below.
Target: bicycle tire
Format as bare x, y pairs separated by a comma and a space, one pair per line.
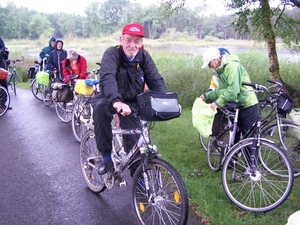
166, 201
90, 158
12, 82
15, 78
36, 90
4, 100
214, 154
203, 142
64, 111
268, 187
291, 141
78, 126
47, 97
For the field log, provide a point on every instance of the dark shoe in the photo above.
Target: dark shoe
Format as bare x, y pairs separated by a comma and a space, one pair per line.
141, 184
106, 167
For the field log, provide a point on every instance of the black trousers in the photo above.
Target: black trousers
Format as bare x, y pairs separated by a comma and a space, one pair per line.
102, 116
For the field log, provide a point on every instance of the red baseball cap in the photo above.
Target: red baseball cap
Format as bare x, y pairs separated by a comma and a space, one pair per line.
133, 28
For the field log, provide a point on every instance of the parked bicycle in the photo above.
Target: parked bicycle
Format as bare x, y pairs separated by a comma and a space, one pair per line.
12, 67
252, 167
38, 90
159, 193
275, 127
4, 94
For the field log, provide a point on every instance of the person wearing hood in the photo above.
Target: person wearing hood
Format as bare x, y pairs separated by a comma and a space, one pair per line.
47, 49
74, 64
54, 63
230, 75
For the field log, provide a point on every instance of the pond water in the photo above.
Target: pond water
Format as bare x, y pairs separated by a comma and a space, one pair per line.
282, 54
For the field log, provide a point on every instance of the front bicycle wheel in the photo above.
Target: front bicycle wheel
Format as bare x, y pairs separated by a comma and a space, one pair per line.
81, 115
203, 142
288, 139
64, 111
37, 90
4, 100
163, 198
13, 82
260, 187
90, 158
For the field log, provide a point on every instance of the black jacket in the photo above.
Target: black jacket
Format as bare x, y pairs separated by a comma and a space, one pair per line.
122, 80
54, 63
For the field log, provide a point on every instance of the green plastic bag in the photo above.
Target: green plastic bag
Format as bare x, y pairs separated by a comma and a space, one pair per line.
42, 78
203, 117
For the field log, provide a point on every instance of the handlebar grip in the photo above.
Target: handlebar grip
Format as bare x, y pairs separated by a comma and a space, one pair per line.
249, 84
271, 81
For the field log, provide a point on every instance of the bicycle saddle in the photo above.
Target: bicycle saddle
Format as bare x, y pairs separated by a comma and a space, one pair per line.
232, 106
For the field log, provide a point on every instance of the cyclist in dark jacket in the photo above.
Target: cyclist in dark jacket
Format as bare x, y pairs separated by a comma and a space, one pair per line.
47, 49
124, 71
54, 64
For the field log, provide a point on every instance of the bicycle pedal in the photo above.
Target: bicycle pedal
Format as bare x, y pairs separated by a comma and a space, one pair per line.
123, 183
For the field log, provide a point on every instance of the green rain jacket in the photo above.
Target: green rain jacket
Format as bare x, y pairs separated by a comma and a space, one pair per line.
231, 74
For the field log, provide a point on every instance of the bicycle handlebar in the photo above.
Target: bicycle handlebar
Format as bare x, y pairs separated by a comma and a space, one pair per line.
15, 60
272, 95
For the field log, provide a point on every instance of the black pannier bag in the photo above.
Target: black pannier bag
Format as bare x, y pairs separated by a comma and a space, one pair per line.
60, 92
285, 104
156, 106
31, 72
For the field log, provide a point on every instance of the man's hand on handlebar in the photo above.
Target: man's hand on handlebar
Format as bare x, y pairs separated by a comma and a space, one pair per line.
122, 108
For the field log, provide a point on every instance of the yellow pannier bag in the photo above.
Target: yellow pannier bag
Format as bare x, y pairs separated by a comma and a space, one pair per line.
203, 117
82, 89
42, 78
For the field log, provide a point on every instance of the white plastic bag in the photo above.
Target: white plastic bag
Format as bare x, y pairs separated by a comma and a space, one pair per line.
203, 117
294, 219
294, 116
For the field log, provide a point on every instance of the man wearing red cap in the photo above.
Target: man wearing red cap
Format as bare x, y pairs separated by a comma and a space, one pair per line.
125, 70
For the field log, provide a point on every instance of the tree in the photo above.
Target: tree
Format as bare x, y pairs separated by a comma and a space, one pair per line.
257, 18
38, 25
265, 23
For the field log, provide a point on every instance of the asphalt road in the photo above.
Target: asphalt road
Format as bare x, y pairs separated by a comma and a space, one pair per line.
40, 177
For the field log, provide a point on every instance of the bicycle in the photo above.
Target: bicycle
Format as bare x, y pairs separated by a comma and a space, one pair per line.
274, 128
13, 79
251, 168
82, 108
4, 94
159, 193
39, 90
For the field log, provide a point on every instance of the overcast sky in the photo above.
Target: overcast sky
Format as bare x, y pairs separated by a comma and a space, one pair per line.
77, 7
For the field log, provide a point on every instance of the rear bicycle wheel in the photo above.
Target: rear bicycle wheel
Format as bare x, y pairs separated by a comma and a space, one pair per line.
37, 90
214, 154
289, 142
4, 100
262, 188
203, 142
165, 201
64, 111
90, 158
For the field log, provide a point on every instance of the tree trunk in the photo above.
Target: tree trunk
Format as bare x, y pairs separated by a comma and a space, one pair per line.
273, 59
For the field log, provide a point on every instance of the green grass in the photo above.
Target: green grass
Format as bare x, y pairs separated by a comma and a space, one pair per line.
176, 139
178, 143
